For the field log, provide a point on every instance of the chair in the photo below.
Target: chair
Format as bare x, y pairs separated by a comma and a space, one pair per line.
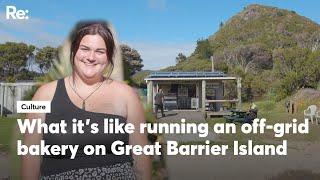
317, 117
310, 112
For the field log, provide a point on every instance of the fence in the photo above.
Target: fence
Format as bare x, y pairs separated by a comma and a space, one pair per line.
10, 93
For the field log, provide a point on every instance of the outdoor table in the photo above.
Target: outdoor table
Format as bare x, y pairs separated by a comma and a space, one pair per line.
236, 116
239, 113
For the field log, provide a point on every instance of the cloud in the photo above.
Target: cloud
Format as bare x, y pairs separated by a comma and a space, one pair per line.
30, 25
4, 36
32, 31
157, 4
160, 55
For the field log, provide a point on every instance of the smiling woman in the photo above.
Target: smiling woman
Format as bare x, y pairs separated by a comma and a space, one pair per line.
88, 93
90, 58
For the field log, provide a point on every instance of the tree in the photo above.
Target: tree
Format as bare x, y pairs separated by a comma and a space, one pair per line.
13, 57
221, 25
203, 49
45, 57
249, 58
181, 58
296, 68
221, 66
132, 59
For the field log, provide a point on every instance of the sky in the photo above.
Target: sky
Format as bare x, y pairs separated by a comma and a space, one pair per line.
157, 29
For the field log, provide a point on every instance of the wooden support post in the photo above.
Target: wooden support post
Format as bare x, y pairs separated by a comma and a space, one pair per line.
150, 93
203, 96
2, 99
239, 92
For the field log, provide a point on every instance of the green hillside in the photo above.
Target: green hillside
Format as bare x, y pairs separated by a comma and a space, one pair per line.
275, 51
272, 27
256, 32
138, 78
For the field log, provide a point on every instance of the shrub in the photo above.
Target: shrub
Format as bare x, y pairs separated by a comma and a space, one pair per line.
267, 105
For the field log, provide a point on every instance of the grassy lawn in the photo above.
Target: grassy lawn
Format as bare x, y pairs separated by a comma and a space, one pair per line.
273, 113
8, 136
7, 126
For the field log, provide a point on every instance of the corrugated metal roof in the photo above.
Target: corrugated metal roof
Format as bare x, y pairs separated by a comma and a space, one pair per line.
175, 74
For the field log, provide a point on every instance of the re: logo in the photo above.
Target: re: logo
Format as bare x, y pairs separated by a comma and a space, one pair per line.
13, 13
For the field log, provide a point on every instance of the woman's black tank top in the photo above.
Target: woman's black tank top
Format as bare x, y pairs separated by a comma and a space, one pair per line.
62, 108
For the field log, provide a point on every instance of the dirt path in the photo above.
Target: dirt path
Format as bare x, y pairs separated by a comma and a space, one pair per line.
242, 167
190, 117
303, 156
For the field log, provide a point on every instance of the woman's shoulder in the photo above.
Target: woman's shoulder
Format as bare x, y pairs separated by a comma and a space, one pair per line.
45, 92
123, 88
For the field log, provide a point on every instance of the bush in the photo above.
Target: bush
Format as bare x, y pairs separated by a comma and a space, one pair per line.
150, 117
267, 105
30, 93
11, 79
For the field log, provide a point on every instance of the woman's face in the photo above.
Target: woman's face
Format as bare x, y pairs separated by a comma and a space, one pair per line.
91, 58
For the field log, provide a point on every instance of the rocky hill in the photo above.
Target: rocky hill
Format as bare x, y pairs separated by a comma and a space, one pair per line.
275, 51
255, 34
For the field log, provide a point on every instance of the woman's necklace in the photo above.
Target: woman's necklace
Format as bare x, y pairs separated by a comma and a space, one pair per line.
84, 100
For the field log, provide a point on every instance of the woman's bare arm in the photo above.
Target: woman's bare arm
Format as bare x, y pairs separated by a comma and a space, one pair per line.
30, 164
135, 115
